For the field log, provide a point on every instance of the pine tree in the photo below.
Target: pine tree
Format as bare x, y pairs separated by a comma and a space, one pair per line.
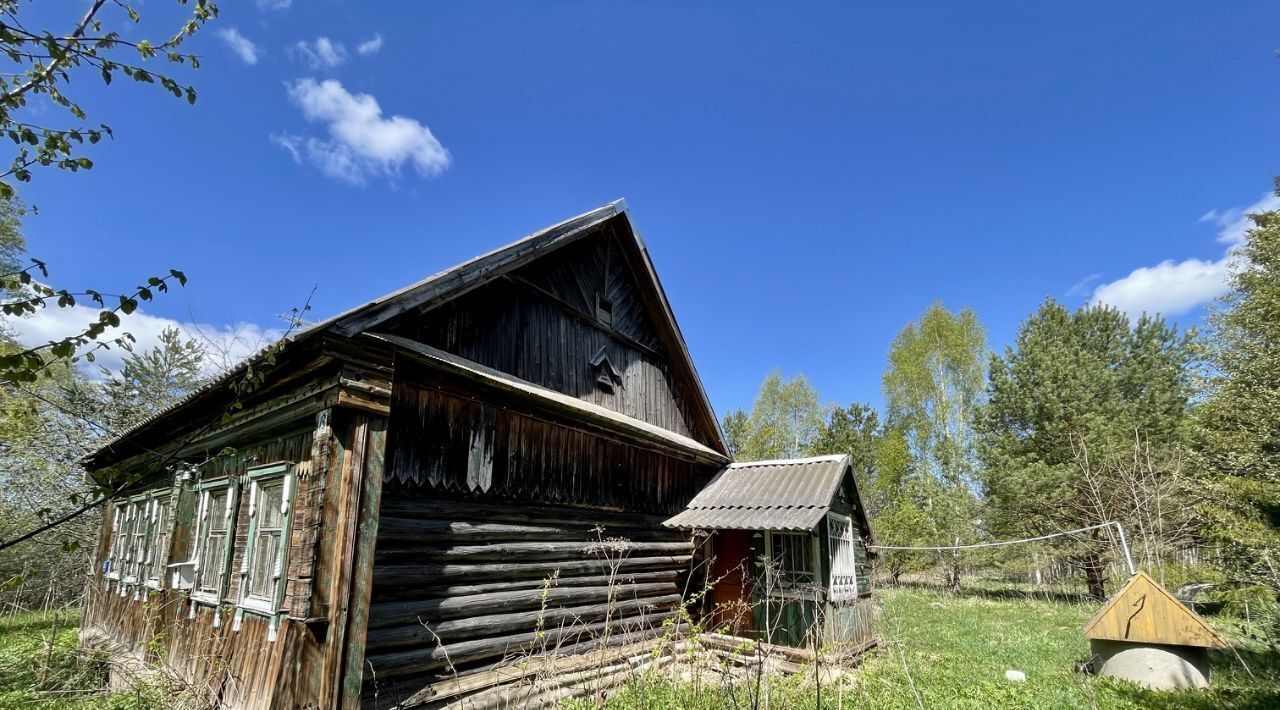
1084, 409
1240, 422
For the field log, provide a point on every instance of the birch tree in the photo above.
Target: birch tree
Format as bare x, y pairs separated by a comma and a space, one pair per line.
933, 387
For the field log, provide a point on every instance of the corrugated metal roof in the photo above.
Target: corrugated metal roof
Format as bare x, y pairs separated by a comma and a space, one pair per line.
785, 494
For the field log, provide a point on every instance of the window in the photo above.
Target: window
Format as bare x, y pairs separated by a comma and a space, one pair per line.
791, 559
136, 552
119, 539
604, 310
215, 533
158, 540
844, 564
263, 568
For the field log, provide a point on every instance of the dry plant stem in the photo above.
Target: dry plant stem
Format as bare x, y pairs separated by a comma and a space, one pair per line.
906, 669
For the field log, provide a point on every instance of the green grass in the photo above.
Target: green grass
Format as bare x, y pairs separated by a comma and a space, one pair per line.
956, 650
41, 667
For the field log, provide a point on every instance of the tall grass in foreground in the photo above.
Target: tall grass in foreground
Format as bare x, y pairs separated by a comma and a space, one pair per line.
41, 666
944, 651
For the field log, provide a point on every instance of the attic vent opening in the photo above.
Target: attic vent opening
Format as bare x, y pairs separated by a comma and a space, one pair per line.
607, 376
604, 310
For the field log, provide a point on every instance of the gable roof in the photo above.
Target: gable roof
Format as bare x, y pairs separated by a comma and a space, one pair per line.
1145, 612
451, 283
783, 494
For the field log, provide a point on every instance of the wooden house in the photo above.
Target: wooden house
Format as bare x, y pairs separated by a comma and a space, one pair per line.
788, 551
389, 505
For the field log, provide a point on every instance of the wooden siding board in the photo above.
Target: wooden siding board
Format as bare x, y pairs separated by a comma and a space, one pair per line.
517, 331
432, 445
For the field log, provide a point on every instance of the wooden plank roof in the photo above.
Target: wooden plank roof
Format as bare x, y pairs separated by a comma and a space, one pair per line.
440, 288
1145, 612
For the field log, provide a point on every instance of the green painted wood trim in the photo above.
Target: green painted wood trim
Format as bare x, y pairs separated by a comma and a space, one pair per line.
362, 565
228, 544
284, 471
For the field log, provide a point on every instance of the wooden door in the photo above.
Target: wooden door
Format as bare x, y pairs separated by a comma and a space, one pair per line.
731, 576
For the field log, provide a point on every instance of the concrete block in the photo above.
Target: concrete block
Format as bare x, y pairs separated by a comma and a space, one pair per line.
1154, 666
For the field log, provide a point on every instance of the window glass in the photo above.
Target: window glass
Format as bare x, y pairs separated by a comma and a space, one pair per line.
137, 550
158, 555
213, 541
791, 561
269, 514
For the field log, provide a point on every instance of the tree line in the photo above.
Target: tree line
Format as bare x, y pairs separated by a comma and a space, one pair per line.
1086, 417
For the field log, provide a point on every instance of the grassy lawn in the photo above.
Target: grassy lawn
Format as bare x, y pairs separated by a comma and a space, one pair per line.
956, 649
40, 667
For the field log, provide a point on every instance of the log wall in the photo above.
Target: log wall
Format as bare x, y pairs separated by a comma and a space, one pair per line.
504, 536
461, 587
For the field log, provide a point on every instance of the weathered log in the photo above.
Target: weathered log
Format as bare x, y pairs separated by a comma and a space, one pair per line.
399, 663
550, 550
435, 592
509, 673
408, 612
416, 574
452, 630
414, 530
437, 509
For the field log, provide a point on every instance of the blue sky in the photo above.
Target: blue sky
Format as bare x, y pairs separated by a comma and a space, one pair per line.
808, 176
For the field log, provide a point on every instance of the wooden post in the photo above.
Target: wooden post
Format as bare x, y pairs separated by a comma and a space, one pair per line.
346, 502
362, 565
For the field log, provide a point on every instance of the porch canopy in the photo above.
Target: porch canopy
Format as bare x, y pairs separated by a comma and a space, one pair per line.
784, 494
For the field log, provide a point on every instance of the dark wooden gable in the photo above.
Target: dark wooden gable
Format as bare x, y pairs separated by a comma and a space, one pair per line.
581, 319
595, 275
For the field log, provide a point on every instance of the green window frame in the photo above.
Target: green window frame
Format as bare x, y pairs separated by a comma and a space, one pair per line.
215, 539
160, 521
264, 565
119, 538
136, 546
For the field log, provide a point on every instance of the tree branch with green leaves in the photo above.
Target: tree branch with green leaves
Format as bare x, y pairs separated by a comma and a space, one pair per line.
45, 61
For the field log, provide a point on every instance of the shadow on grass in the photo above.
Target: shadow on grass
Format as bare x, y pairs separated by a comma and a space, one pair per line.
1005, 594
1255, 698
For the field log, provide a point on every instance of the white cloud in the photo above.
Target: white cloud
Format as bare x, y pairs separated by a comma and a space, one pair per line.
225, 345
361, 142
323, 53
241, 45
1235, 222
370, 46
1081, 287
1169, 288
1172, 288
279, 5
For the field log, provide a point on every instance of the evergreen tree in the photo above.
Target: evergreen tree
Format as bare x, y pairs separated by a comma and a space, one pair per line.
1084, 422
854, 430
154, 378
1240, 422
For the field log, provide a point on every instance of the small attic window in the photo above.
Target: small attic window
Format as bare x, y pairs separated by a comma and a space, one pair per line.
604, 310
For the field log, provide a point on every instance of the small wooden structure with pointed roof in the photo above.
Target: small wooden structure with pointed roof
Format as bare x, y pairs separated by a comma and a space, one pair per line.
1144, 634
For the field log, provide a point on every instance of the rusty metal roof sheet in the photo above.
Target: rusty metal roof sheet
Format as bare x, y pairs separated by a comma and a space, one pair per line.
784, 494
